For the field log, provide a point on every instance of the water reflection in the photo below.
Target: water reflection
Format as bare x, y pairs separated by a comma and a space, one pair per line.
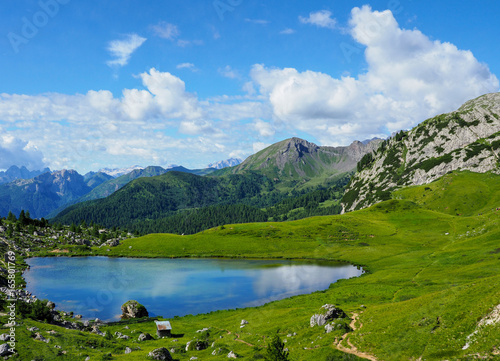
98, 286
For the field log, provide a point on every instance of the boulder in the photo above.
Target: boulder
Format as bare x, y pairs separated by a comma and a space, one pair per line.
145, 337
329, 328
232, 355
160, 354
329, 312
5, 337
128, 350
133, 309
51, 305
4, 349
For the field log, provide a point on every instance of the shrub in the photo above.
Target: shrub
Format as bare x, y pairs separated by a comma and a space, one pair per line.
276, 350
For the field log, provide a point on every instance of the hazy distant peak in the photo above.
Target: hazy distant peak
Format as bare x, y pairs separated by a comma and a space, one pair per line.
117, 172
231, 162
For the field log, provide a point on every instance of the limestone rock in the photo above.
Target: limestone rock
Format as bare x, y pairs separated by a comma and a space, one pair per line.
145, 337
160, 354
4, 349
329, 312
133, 309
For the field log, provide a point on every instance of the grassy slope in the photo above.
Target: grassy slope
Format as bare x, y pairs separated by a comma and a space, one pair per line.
432, 276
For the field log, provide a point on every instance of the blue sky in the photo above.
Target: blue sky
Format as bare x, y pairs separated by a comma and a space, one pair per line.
93, 84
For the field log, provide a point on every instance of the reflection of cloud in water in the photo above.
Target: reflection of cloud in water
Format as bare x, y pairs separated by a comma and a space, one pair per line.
288, 281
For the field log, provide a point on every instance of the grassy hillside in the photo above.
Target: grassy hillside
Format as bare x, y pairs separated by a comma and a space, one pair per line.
433, 278
466, 139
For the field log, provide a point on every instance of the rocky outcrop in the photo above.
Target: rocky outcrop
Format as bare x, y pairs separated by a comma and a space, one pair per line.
160, 354
328, 312
467, 139
133, 309
145, 337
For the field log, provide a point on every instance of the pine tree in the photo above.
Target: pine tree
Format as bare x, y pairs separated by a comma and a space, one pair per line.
22, 218
276, 350
11, 217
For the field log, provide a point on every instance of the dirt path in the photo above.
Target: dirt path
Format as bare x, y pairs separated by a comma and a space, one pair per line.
238, 338
353, 349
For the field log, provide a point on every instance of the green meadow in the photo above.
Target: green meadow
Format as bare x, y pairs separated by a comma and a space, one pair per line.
432, 261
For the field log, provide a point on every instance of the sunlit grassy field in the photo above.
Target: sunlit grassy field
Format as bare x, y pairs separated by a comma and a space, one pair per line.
432, 256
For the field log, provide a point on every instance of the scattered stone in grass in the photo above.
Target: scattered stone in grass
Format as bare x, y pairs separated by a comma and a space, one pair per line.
160, 354
145, 337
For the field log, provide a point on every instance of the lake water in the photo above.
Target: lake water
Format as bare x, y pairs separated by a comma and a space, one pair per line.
98, 286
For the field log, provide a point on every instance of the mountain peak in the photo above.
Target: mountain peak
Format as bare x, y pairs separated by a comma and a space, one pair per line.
231, 162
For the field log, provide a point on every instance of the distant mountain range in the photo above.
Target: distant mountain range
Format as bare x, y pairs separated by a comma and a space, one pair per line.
117, 172
231, 162
15, 172
287, 169
284, 166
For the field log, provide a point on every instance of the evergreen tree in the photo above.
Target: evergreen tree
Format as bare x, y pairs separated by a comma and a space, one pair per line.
11, 217
22, 218
276, 350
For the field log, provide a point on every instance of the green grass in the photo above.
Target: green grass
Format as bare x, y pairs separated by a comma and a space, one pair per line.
432, 275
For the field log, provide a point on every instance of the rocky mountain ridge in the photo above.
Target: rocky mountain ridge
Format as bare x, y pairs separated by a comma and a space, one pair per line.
297, 160
466, 139
15, 172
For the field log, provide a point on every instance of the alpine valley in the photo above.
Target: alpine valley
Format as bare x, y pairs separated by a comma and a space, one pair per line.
420, 216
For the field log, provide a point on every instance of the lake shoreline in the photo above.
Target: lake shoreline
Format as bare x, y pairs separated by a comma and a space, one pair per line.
286, 278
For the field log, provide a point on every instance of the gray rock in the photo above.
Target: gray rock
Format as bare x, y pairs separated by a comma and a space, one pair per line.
128, 350
160, 354
232, 355
133, 309
51, 305
329, 312
145, 337
39, 337
5, 337
5, 350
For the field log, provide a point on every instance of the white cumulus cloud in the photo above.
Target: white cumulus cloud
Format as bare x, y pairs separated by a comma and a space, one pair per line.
409, 78
14, 151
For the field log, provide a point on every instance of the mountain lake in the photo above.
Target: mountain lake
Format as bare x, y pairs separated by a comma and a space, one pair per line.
98, 286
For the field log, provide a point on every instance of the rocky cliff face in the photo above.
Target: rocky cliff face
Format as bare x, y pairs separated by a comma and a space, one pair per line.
296, 159
467, 139
42, 194
15, 172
